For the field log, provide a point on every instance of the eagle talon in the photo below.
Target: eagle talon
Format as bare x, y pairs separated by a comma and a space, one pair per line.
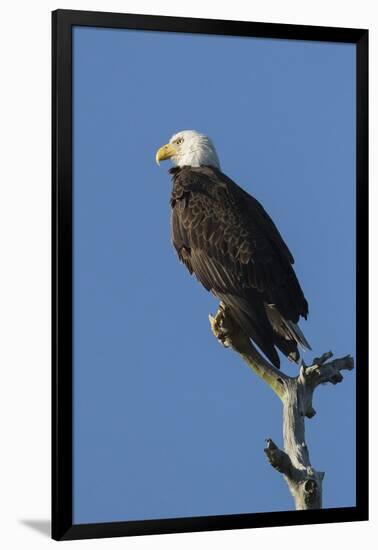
218, 329
223, 337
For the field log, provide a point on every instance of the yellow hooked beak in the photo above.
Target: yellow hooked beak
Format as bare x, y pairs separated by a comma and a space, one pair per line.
165, 152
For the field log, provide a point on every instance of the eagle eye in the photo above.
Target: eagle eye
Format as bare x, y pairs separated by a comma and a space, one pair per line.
179, 141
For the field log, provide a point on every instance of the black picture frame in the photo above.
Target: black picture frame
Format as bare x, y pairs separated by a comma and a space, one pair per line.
62, 23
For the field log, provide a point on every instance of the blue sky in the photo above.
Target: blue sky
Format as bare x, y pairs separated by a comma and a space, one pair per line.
166, 422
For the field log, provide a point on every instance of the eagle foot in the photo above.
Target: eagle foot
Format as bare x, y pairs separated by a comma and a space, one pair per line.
220, 326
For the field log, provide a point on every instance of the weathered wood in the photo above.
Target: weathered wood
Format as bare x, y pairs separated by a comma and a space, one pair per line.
296, 394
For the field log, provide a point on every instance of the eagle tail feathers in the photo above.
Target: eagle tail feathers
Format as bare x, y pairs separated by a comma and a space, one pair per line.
297, 334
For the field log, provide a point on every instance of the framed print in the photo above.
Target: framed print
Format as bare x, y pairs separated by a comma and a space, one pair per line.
209, 213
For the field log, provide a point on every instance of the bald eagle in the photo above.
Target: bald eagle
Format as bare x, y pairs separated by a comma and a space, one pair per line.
225, 237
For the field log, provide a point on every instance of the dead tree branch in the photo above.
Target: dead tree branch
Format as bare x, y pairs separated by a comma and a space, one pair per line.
296, 394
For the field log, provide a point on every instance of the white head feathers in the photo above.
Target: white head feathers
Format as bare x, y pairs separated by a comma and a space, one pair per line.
193, 149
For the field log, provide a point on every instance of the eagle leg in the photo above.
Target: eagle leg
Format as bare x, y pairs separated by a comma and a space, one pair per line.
227, 331
221, 325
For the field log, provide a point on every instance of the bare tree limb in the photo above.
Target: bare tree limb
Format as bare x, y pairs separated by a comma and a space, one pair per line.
296, 394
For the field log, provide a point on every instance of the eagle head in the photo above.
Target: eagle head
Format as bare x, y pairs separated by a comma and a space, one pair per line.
189, 148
